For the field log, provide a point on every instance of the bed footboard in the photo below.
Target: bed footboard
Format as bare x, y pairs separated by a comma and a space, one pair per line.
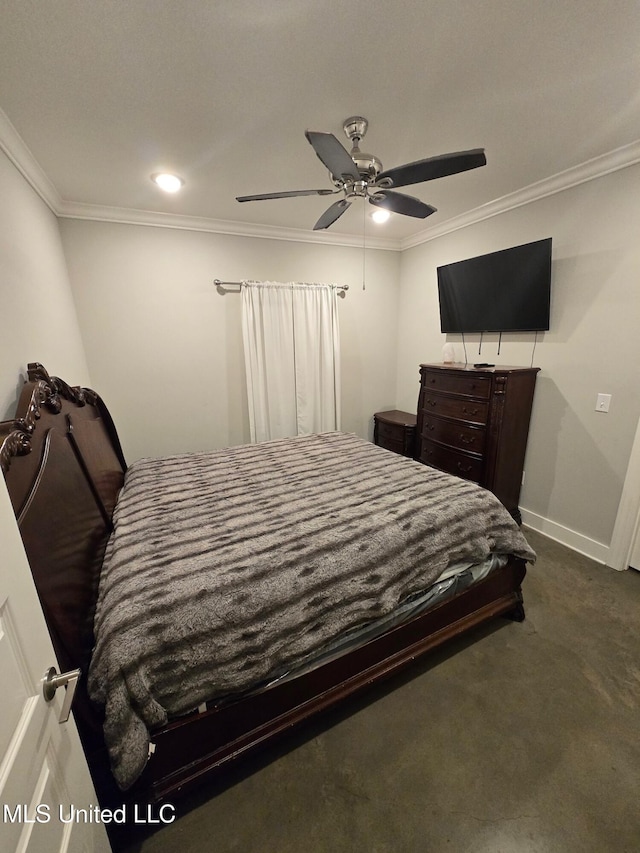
202, 745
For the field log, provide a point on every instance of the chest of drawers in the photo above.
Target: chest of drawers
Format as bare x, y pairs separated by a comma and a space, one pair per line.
474, 422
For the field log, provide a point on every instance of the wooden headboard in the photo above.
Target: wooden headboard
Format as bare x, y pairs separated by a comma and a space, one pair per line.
63, 465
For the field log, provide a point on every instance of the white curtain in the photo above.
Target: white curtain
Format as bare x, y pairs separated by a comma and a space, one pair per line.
292, 358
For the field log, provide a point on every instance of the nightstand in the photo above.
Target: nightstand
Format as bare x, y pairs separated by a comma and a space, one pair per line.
395, 431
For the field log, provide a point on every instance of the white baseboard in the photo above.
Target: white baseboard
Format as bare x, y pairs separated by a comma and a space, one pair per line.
565, 536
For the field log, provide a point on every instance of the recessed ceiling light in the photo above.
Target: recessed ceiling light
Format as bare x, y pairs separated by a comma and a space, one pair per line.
380, 215
168, 183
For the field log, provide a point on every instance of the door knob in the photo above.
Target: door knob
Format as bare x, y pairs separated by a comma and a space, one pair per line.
68, 680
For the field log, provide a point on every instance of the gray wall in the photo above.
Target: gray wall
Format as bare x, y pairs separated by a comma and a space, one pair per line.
577, 458
38, 318
149, 312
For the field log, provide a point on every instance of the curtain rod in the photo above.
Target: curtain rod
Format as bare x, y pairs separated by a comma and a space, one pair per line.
224, 284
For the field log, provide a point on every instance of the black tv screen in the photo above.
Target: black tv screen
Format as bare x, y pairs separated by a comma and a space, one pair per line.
505, 291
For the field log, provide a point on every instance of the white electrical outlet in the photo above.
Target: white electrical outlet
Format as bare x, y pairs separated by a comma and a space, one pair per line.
603, 402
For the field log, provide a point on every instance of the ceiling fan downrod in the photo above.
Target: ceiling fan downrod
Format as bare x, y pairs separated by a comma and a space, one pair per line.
368, 165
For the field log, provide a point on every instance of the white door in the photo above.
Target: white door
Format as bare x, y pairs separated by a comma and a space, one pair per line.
44, 779
634, 560
625, 541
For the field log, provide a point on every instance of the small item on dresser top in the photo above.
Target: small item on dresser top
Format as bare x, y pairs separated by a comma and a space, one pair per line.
448, 354
483, 364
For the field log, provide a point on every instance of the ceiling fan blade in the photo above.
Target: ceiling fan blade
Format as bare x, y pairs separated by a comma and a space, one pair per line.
407, 205
333, 154
433, 167
331, 214
287, 194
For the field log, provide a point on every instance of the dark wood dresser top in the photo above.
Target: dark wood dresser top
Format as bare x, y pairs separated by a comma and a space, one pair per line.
395, 416
497, 368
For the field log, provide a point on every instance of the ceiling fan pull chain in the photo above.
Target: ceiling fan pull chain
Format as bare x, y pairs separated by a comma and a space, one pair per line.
364, 244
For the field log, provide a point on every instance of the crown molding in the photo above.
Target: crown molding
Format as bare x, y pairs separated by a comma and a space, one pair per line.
612, 161
20, 155
12, 144
127, 216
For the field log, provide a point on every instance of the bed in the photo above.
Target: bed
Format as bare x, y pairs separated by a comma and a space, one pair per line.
350, 560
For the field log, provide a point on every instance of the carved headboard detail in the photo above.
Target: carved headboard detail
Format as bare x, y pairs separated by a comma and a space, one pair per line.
44, 392
43, 396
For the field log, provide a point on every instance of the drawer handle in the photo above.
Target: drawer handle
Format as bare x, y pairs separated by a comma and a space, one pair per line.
469, 411
464, 469
464, 440
432, 402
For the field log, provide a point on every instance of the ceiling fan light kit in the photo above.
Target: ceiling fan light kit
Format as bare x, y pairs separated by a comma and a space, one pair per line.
360, 175
380, 215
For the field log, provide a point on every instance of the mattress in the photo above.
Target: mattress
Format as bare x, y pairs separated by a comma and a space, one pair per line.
454, 579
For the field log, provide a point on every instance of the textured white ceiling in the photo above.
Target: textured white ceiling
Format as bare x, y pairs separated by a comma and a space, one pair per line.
221, 91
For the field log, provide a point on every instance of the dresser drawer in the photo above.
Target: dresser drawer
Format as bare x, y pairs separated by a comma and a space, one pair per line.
472, 411
468, 467
458, 435
389, 432
470, 385
394, 444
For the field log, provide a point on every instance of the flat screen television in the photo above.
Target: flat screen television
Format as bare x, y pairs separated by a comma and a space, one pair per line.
505, 291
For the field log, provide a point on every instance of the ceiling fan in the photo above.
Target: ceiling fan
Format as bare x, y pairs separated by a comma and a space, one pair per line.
359, 175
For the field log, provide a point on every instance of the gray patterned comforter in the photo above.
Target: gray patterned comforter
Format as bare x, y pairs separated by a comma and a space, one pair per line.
226, 567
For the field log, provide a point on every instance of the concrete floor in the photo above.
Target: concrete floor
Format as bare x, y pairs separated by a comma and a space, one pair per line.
525, 738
